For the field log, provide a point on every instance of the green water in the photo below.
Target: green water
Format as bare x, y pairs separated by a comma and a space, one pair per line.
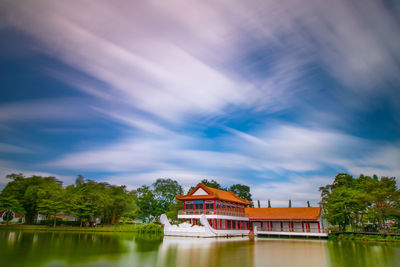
23, 248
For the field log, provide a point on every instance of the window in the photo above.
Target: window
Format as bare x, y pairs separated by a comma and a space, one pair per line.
199, 206
209, 206
189, 206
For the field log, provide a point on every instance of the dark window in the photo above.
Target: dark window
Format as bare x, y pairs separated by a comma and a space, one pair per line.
189, 206
199, 206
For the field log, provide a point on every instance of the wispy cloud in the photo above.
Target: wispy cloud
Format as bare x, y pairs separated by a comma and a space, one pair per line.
181, 75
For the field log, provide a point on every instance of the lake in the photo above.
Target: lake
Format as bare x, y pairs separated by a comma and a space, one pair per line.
24, 248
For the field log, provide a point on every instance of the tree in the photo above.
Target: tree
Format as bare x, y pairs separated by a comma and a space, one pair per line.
308, 203
145, 202
165, 191
212, 184
11, 205
242, 191
338, 200
173, 210
258, 203
348, 199
27, 192
290, 203
269, 203
51, 199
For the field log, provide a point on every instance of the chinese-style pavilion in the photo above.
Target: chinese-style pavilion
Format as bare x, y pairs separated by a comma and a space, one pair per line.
223, 209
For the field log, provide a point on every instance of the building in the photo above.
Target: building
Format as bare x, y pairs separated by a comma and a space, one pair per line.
219, 212
287, 221
209, 212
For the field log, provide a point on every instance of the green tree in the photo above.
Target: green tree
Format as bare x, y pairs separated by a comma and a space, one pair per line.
290, 203
269, 203
242, 191
173, 210
11, 205
51, 199
146, 203
27, 191
308, 203
165, 191
212, 184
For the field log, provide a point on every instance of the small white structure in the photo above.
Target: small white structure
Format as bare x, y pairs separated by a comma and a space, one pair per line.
19, 217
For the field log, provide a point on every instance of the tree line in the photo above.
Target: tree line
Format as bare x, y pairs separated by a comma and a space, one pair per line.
87, 199
364, 203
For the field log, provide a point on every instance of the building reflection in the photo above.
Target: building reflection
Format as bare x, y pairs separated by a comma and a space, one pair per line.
199, 252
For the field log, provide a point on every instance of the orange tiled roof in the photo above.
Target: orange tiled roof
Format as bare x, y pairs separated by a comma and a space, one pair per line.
214, 194
311, 213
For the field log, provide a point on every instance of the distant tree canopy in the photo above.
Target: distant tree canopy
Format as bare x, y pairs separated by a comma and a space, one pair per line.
88, 199
353, 201
242, 191
85, 200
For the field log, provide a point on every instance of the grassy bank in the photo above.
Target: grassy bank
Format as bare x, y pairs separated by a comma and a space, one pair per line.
146, 228
364, 237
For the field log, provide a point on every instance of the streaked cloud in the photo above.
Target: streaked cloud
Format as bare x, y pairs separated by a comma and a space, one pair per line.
279, 94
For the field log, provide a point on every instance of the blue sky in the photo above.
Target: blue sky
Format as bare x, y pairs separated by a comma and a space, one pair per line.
274, 94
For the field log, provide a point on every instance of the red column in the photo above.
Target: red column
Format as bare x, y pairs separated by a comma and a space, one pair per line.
261, 226
215, 223
194, 205
302, 226
204, 207
281, 226
220, 224
319, 228
308, 227
215, 206
184, 206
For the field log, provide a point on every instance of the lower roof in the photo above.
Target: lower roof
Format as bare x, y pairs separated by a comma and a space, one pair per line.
308, 213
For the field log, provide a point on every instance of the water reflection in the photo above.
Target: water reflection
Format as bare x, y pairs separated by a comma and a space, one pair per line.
19, 248
37, 249
211, 252
360, 253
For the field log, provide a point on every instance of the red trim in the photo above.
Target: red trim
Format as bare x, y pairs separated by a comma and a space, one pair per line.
281, 226
319, 228
285, 220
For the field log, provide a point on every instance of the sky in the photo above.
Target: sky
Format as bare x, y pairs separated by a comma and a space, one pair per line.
275, 94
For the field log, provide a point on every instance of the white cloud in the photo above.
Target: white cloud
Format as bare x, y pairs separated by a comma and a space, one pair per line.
43, 110
9, 148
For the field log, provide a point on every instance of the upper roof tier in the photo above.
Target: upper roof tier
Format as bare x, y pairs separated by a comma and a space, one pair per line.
309, 213
202, 191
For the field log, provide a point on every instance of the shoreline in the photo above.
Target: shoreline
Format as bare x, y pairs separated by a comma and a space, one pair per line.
146, 228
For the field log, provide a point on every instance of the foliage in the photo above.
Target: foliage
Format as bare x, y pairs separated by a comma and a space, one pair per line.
11, 205
353, 201
212, 184
29, 192
269, 203
147, 204
165, 191
242, 191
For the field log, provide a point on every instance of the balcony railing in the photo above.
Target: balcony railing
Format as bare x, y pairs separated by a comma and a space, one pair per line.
212, 212
296, 230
